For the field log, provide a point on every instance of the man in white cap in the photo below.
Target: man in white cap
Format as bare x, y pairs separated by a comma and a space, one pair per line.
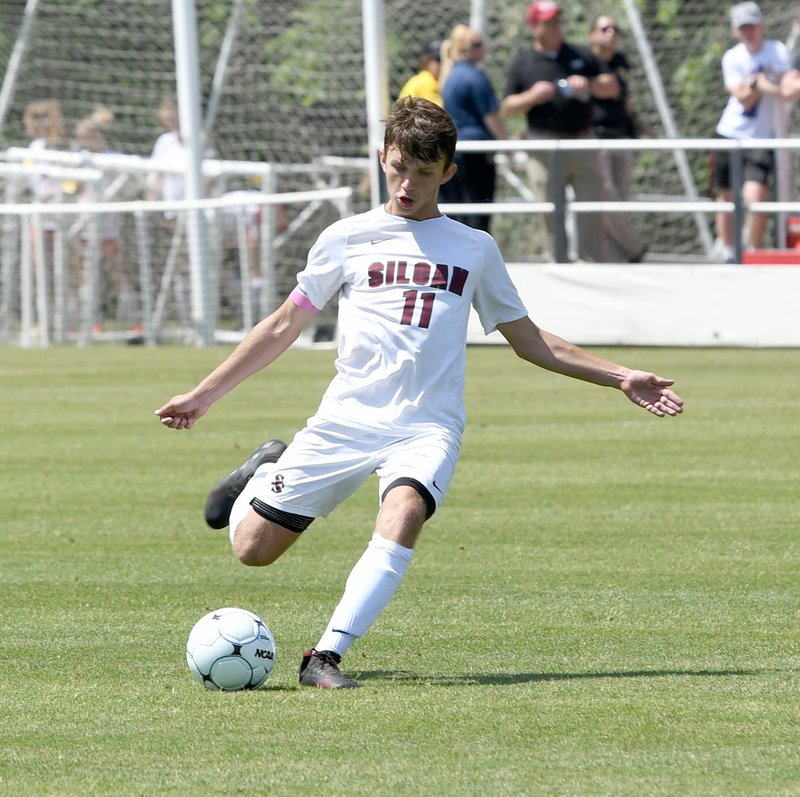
752, 71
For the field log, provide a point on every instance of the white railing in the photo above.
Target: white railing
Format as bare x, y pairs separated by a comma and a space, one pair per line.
38, 268
22, 255
693, 204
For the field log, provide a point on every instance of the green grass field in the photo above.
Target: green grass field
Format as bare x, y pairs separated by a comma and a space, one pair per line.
607, 603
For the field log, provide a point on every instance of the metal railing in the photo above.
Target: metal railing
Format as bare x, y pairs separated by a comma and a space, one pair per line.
559, 205
25, 269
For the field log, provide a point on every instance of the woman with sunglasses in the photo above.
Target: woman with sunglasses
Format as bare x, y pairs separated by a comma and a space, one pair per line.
470, 99
614, 117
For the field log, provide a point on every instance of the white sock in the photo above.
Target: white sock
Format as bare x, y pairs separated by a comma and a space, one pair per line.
368, 590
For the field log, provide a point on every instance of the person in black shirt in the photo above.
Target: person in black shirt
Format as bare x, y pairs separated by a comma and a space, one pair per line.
614, 117
552, 82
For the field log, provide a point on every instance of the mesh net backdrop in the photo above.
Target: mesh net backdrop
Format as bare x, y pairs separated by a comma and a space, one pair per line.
294, 86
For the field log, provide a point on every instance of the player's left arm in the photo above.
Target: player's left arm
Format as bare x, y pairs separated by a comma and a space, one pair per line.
647, 390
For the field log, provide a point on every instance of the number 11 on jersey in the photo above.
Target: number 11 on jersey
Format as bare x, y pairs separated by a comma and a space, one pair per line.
412, 299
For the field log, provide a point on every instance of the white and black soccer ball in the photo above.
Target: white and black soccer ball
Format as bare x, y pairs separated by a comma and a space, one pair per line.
230, 649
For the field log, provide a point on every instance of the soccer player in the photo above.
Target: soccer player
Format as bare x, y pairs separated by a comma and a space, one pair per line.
406, 276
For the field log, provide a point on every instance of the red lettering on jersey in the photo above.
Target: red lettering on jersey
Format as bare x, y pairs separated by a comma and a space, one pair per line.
422, 273
440, 276
375, 273
449, 278
458, 280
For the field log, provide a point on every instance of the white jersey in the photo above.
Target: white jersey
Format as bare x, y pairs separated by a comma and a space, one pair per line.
405, 290
739, 65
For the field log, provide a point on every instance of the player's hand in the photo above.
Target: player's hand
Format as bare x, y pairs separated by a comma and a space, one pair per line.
652, 393
181, 412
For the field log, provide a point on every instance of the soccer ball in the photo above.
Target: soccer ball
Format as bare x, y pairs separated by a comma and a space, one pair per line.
230, 649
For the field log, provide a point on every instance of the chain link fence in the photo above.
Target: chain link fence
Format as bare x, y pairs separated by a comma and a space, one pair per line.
283, 82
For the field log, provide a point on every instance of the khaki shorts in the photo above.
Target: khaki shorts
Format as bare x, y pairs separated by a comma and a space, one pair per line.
326, 463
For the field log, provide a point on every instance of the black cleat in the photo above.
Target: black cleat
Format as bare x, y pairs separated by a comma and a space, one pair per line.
321, 669
221, 499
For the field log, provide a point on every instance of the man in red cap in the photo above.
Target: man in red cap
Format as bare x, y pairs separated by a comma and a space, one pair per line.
552, 82
542, 11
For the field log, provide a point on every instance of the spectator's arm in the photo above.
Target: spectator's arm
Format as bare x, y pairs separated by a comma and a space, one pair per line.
496, 126
790, 85
605, 86
539, 93
748, 91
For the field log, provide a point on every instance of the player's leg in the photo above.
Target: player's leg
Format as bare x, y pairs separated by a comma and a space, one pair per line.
221, 499
378, 573
258, 534
259, 542
324, 464
369, 587
282, 499
406, 503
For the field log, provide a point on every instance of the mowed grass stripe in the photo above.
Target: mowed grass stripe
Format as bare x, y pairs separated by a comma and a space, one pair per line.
605, 605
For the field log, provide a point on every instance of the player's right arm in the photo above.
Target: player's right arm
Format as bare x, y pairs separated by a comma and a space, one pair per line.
262, 345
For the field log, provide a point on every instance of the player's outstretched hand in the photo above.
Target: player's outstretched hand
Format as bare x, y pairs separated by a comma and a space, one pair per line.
181, 412
652, 392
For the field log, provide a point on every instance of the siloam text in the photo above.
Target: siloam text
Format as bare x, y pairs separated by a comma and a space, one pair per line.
400, 272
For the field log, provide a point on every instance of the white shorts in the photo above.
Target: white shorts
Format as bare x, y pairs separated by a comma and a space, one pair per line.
326, 463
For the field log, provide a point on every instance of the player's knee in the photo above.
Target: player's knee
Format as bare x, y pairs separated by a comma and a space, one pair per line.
404, 509
409, 498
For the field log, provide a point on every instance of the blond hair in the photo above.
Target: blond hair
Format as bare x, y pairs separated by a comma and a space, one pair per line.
94, 125
456, 48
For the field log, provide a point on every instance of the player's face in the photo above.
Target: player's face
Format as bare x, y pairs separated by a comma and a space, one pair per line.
413, 185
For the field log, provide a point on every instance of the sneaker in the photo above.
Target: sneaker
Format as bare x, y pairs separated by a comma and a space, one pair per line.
321, 669
221, 499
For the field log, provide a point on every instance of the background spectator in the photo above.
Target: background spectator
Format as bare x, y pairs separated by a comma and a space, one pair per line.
91, 135
470, 99
752, 72
44, 124
614, 118
425, 83
552, 82
170, 148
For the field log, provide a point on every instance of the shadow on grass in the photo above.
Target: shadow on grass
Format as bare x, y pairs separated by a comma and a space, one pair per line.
506, 679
